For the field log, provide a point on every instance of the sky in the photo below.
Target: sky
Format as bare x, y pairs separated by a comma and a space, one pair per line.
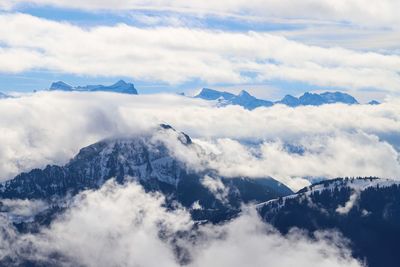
270, 48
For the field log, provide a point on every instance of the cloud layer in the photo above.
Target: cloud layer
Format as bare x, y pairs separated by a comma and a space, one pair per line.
124, 226
285, 143
178, 54
361, 12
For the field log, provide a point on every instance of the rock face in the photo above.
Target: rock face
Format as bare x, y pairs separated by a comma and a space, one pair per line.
250, 102
119, 87
147, 160
366, 211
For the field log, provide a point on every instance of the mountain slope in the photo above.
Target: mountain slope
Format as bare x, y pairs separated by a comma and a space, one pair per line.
366, 211
147, 160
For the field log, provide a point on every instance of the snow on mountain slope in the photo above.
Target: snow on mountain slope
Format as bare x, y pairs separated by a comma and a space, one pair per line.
353, 184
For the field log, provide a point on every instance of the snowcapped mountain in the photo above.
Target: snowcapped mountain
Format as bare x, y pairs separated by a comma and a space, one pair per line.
338, 97
243, 99
313, 99
364, 210
210, 94
147, 160
119, 87
250, 102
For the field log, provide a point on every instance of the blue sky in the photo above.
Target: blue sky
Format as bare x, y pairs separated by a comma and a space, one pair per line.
300, 53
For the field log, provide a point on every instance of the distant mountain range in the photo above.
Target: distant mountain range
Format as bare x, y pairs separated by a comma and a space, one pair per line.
222, 98
250, 102
119, 87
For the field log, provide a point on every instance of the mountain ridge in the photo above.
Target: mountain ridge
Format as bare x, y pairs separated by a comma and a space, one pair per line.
250, 102
366, 211
119, 87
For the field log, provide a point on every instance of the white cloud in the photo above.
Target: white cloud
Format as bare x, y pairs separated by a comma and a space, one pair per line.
337, 140
363, 12
23, 207
178, 54
215, 186
123, 226
337, 155
247, 241
349, 204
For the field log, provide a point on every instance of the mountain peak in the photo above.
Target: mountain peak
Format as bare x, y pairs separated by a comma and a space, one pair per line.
121, 83
244, 93
373, 102
60, 85
211, 94
290, 101
311, 99
335, 97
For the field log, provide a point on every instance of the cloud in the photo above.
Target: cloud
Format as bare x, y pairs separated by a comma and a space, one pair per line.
121, 225
248, 241
349, 204
215, 186
362, 12
288, 144
337, 155
178, 54
22, 207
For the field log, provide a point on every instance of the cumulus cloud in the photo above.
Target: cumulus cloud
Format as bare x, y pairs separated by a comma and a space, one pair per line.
155, 54
285, 143
121, 225
331, 156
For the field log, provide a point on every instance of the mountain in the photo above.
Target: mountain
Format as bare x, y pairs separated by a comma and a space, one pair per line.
243, 99
210, 94
3, 95
313, 99
250, 102
364, 210
338, 97
290, 101
119, 87
60, 86
147, 160
373, 102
